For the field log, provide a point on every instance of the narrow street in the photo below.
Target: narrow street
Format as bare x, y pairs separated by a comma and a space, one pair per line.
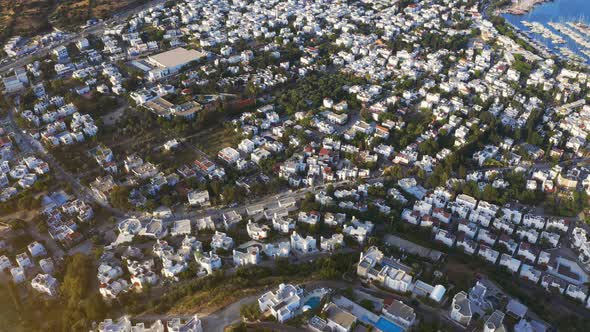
30, 145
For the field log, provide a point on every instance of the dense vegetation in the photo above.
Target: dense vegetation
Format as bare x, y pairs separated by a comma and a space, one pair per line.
77, 307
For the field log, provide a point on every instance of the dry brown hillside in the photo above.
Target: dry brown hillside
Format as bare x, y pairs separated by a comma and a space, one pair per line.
29, 17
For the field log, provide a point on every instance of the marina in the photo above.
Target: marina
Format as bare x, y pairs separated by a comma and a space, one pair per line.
559, 26
543, 31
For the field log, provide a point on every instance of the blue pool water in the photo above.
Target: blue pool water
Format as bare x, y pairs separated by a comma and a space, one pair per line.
313, 302
387, 326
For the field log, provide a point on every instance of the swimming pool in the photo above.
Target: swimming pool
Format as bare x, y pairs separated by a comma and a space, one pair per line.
387, 326
313, 302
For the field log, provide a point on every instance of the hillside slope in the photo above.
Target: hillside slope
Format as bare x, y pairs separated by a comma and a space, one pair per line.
30, 17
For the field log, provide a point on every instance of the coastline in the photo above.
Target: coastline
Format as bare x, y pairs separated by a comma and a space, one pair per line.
522, 7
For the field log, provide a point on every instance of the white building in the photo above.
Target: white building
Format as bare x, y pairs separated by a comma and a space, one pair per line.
283, 304
303, 245
461, 309
220, 240
170, 62
37, 249
18, 274
205, 223
281, 249
256, 231
283, 224
181, 227
24, 261
198, 198
577, 292
250, 257
445, 237
359, 230
511, 263
208, 261
123, 324
333, 243
192, 324
400, 313
45, 283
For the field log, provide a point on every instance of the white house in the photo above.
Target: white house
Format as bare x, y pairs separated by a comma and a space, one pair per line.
333, 243
198, 198
445, 237
358, 230
256, 231
551, 238
488, 253
283, 304
205, 223
468, 245
193, 324
37, 249
303, 245
529, 273
281, 249
5, 263
400, 313
461, 309
45, 283
24, 261
530, 220
411, 216
220, 240
250, 257
181, 227
208, 261
18, 274
283, 224
577, 292
549, 282
512, 264
310, 218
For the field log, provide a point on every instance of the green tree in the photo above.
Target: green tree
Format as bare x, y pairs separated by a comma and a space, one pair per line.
119, 197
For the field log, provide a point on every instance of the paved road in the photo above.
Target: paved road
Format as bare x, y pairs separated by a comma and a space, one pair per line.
217, 321
30, 145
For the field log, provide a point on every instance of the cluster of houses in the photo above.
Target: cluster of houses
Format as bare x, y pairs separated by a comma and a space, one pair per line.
93, 69
505, 236
18, 46
347, 136
124, 324
581, 243
17, 175
338, 313
469, 307
49, 116
64, 215
37, 262
392, 274
184, 249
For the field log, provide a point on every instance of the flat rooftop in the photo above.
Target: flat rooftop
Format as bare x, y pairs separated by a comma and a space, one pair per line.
176, 57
